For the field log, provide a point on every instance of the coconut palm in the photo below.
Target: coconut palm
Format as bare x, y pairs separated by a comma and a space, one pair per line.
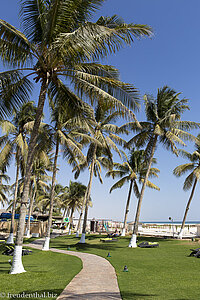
99, 152
73, 198
133, 170
39, 181
42, 203
14, 142
191, 180
65, 131
163, 125
58, 39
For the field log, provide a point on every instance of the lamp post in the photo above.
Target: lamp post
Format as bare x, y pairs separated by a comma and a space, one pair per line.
170, 218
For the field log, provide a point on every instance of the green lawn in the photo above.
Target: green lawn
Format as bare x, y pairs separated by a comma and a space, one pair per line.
47, 274
160, 273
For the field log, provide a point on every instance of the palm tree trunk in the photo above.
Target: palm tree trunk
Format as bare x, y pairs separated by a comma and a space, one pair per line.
71, 219
132, 243
127, 209
180, 235
88, 191
47, 238
10, 239
28, 225
82, 210
17, 266
66, 212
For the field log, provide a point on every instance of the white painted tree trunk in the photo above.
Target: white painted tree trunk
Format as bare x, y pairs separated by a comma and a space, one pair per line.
82, 240
17, 266
123, 232
46, 244
10, 239
133, 243
77, 234
27, 233
180, 235
70, 232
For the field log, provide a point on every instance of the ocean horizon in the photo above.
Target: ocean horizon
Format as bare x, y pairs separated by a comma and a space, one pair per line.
169, 222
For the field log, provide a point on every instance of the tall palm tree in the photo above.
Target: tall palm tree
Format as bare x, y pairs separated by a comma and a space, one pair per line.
99, 153
39, 181
65, 130
163, 125
14, 142
191, 180
133, 170
57, 42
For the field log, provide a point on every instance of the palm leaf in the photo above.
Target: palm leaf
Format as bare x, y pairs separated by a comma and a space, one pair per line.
119, 183
14, 46
33, 13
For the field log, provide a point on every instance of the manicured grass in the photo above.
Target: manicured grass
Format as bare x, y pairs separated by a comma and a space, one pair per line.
47, 274
158, 273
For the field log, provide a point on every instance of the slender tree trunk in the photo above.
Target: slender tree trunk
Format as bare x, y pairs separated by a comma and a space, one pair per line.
81, 214
28, 225
71, 219
88, 191
17, 266
127, 208
180, 235
10, 239
66, 212
47, 237
135, 228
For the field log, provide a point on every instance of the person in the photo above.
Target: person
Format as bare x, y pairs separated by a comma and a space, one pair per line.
115, 233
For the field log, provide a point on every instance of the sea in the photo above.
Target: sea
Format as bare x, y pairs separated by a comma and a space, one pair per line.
170, 222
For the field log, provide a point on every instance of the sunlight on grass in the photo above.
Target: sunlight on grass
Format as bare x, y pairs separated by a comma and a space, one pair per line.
47, 274
158, 273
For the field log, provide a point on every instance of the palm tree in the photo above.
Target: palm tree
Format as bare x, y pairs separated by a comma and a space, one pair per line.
163, 125
65, 130
41, 164
14, 142
99, 153
132, 170
58, 41
74, 198
44, 198
191, 180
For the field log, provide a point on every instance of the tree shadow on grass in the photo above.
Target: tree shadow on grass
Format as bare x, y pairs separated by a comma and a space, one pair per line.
87, 246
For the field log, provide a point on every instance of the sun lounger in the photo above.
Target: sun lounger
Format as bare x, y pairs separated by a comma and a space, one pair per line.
148, 245
10, 251
108, 240
195, 252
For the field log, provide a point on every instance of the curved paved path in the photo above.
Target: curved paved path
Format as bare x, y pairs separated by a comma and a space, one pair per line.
96, 281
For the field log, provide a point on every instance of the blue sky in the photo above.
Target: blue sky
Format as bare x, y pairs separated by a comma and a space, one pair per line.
170, 57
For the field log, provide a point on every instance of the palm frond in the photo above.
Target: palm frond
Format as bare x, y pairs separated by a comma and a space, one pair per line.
182, 169
14, 90
119, 183
14, 46
34, 19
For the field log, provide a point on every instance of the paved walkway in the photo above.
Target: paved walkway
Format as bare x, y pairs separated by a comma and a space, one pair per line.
96, 281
